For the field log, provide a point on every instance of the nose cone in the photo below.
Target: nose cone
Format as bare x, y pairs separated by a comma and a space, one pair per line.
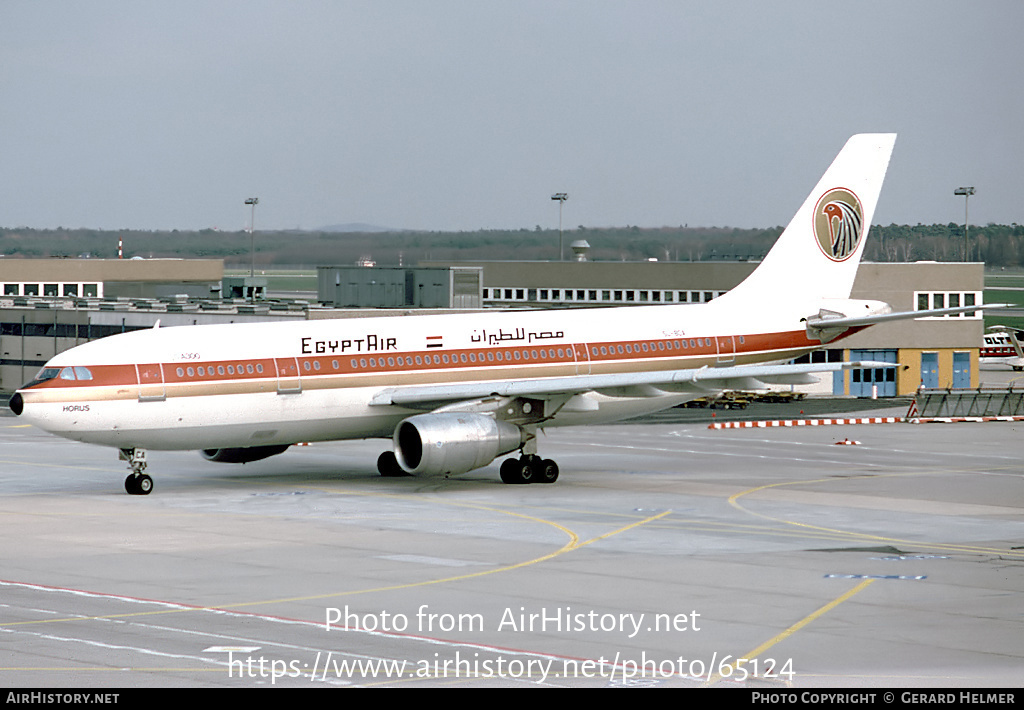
17, 404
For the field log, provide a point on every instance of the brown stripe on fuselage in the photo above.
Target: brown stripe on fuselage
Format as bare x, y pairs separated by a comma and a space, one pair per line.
121, 382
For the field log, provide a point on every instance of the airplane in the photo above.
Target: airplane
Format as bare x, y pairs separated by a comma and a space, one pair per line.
1002, 347
456, 391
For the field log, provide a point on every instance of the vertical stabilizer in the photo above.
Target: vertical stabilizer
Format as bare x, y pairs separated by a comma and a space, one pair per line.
817, 255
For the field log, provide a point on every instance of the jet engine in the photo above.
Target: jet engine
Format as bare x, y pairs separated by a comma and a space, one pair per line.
243, 455
452, 442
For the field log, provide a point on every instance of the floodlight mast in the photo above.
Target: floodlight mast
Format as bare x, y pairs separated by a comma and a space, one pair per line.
561, 197
252, 229
966, 192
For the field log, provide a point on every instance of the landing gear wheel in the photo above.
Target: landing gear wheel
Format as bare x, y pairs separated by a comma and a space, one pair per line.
527, 469
138, 484
387, 465
510, 471
548, 471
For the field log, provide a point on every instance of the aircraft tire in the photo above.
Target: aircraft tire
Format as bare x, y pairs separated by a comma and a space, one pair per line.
510, 470
520, 471
548, 471
138, 485
529, 468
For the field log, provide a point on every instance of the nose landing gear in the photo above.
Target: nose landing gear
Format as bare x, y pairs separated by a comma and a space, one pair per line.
137, 483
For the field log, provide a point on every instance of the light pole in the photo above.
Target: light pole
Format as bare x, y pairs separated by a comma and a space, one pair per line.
561, 197
966, 192
252, 229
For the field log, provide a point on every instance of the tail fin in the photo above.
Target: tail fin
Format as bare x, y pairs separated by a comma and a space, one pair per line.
818, 253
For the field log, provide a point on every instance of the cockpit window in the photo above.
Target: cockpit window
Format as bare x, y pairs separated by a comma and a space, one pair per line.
47, 373
65, 373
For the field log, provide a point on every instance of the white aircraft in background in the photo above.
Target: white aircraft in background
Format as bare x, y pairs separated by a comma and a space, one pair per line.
1002, 347
454, 392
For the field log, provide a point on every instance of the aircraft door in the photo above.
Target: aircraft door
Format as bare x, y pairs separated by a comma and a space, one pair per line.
582, 355
726, 348
151, 382
288, 380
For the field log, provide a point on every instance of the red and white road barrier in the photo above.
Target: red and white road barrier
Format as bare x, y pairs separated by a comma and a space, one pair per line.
805, 422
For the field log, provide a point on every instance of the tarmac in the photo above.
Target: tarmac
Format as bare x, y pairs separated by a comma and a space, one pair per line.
665, 554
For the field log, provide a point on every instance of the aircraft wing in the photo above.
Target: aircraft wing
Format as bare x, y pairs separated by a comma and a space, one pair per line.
625, 384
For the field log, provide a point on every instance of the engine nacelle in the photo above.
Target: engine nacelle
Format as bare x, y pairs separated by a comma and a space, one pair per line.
243, 455
452, 442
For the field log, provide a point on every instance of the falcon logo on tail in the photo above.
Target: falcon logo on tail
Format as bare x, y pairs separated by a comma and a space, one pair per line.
838, 223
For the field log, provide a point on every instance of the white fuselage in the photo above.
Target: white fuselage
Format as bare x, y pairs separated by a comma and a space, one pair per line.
240, 385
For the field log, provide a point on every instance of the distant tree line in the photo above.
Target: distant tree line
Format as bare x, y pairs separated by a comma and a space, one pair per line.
996, 245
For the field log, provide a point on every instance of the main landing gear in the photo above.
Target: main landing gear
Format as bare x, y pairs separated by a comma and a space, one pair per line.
529, 468
137, 483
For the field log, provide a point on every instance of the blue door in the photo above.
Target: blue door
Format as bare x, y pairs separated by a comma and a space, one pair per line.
962, 370
863, 382
929, 370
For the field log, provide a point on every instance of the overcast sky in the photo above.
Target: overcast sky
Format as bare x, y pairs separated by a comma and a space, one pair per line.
462, 115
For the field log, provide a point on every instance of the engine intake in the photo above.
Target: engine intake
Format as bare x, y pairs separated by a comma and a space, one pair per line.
452, 443
243, 455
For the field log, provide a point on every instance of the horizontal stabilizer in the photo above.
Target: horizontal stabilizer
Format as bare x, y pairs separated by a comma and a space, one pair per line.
826, 323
